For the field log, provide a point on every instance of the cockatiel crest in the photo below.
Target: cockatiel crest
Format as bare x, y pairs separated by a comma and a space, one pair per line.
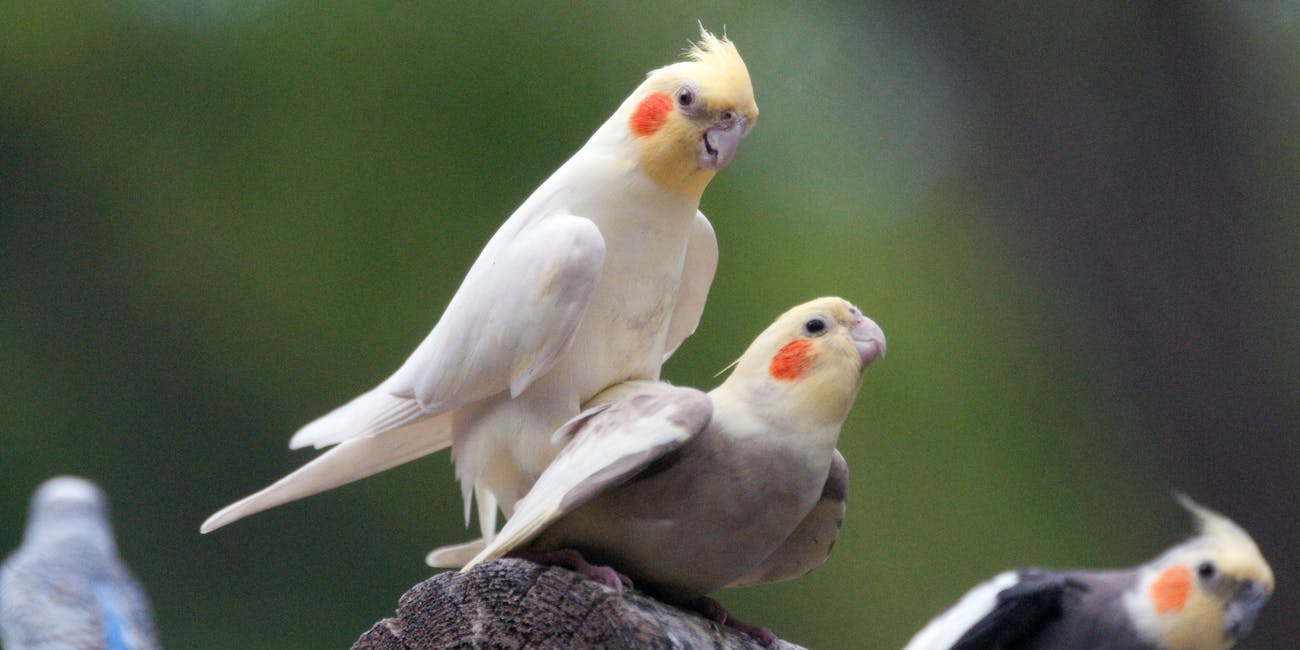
594, 280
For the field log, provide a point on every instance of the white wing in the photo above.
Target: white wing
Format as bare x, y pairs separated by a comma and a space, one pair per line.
945, 630
513, 316
697, 276
609, 444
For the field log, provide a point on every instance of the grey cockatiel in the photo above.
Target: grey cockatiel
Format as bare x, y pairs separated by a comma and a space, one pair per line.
804, 550
685, 492
594, 280
1203, 594
65, 587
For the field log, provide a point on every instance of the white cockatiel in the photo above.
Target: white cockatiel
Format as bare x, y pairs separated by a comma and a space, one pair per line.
594, 280
686, 492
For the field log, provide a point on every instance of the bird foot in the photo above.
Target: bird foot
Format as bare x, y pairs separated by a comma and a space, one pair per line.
573, 560
714, 611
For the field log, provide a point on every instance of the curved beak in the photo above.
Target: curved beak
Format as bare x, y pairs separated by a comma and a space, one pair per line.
1243, 608
721, 140
868, 338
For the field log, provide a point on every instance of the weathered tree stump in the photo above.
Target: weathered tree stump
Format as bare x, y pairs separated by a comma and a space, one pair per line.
514, 604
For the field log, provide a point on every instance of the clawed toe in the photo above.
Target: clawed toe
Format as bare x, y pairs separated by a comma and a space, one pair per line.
607, 575
573, 560
716, 612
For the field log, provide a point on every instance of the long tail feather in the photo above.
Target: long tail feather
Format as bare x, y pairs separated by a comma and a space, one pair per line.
454, 556
350, 461
367, 414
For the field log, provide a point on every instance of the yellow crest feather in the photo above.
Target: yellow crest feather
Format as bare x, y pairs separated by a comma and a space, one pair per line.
1236, 551
711, 47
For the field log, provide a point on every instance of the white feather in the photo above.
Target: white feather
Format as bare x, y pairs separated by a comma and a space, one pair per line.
515, 313
353, 459
454, 556
697, 275
947, 628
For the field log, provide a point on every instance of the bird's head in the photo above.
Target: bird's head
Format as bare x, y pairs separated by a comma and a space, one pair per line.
809, 362
686, 120
67, 505
1205, 593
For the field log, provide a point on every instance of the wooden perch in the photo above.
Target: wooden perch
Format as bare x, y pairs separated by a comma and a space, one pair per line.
514, 604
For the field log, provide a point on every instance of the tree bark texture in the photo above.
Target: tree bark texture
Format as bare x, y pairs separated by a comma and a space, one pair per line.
516, 604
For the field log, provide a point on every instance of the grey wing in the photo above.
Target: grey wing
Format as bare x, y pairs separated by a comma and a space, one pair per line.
607, 445
810, 544
1090, 612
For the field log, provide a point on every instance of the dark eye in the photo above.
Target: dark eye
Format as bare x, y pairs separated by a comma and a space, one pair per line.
814, 327
686, 97
1206, 570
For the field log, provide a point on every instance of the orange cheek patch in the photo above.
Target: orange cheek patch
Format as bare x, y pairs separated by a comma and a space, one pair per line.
790, 361
1170, 591
650, 114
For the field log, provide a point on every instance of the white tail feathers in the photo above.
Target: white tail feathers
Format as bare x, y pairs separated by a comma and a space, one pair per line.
367, 414
454, 556
350, 461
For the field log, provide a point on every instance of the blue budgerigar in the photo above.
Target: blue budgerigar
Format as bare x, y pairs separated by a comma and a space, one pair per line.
66, 587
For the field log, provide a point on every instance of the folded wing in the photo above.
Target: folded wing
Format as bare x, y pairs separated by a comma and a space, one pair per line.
512, 318
608, 445
810, 544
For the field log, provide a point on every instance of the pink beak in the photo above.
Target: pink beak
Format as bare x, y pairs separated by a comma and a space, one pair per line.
721, 140
868, 338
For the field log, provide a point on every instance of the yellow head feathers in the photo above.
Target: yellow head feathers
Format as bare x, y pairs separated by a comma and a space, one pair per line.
710, 47
718, 62
1234, 551
815, 354
687, 119
1205, 593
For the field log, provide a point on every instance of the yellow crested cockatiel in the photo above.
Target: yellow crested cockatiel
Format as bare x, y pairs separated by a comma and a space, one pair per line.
594, 280
1203, 594
683, 492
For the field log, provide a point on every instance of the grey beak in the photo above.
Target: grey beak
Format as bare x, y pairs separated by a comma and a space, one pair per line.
1243, 609
721, 140
868, 338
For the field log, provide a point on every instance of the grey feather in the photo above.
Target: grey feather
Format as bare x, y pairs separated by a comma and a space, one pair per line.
810, 544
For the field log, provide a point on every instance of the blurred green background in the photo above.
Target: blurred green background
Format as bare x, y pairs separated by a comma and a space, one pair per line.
1077, 225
